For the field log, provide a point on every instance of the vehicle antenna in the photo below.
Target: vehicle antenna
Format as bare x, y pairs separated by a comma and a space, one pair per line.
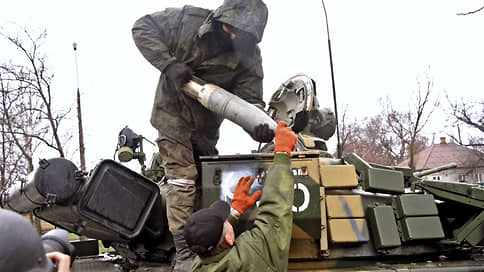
338, 148
79, 116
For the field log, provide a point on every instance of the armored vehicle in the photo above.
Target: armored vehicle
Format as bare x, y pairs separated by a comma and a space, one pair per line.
349, 215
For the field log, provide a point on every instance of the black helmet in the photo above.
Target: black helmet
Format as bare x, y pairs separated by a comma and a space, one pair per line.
20, 246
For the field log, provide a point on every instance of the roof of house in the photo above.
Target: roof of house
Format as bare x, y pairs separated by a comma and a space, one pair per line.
444, 153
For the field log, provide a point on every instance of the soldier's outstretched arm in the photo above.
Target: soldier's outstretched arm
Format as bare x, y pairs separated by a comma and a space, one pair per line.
274, 220
154, 34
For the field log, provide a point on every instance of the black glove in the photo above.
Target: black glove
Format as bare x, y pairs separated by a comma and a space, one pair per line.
178, 74
262, 133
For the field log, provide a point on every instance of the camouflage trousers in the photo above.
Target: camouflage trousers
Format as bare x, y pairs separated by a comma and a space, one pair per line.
179, 152
178, 160
179, 206
179, 163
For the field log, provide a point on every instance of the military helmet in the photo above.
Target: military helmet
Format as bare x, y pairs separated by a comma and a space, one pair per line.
247, 15
20, 246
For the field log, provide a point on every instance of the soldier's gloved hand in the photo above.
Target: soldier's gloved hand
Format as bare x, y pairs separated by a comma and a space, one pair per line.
262, 133
178, 74
242, 200
285, 138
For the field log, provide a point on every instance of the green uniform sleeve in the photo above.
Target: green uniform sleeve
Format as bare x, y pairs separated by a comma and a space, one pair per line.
154, 34
273, 223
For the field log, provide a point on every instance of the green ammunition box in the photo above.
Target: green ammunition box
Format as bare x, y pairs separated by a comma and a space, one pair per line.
383, 180
420, 228
408, 205
383, 227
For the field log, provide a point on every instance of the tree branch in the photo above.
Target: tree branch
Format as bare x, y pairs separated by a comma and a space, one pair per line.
471, 12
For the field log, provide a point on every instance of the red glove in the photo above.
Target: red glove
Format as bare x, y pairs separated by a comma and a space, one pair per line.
285, 138
242, 200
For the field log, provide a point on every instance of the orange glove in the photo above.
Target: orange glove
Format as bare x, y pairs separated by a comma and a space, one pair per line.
285, 138
242, 200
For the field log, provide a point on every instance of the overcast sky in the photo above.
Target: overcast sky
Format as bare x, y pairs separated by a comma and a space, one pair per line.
380, 48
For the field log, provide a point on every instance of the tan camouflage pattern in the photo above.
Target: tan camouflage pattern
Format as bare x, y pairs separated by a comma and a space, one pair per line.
179, 206
178, 162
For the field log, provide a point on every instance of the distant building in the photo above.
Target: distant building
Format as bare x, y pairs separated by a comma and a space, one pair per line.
470, 163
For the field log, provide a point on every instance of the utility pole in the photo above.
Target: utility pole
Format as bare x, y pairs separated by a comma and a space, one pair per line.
79, 116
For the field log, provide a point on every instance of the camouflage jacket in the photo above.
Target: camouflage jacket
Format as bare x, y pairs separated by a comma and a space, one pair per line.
265, 247
188, 35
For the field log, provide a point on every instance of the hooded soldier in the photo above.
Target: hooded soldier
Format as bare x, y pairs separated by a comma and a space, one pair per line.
220, 47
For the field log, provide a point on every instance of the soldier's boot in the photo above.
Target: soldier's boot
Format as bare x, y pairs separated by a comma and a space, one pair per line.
184, 256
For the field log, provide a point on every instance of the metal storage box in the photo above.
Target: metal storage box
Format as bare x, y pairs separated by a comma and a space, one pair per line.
383, 227
414, 205
118, 198
419, 228
383, 180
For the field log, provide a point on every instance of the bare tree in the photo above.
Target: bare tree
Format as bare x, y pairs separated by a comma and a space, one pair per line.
381, 142
29, 119
347, 131
13, 163
470, 116
360, 138
368, 138
30, 114
469, 113
374, 140
408, 126
393, 135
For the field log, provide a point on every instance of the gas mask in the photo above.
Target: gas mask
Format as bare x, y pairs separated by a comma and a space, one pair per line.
130, 146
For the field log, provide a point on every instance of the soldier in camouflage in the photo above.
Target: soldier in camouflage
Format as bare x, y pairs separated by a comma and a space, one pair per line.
219, 47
